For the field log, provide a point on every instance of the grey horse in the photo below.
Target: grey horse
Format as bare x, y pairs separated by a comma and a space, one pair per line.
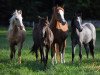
82, 34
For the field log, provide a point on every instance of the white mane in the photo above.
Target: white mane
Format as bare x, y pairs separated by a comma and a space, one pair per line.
17, 14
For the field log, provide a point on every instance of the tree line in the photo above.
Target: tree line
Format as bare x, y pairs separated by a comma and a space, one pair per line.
32, 8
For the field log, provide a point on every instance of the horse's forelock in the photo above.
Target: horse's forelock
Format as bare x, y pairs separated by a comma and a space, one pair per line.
15, 15
19, 11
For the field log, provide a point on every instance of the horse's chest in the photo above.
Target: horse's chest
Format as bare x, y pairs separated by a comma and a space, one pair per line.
64, 28
15, 37
60, 35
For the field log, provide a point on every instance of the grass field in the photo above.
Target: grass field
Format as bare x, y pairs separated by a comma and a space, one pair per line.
30, 67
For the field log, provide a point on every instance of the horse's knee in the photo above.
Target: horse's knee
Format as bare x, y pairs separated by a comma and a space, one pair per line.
19, 53
19, 59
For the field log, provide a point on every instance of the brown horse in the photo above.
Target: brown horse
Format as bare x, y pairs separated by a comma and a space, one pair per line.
59, 28
43, 38
16, 34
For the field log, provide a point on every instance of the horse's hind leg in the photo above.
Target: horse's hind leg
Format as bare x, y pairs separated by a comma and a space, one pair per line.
41, 53
80, 52
53, 53
12, 48
87, 49
91, 46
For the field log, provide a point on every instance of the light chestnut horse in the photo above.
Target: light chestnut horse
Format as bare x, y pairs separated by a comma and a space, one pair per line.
16, 34
59, 28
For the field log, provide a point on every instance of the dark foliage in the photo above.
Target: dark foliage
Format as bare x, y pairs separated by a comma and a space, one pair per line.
32, 8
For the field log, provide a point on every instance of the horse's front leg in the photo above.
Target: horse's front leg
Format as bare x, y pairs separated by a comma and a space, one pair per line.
63, 52
12, 49
52, 53
80, 52
19, 52
73, 51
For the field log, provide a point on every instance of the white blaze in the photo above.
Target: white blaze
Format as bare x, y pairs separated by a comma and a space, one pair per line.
79, 20
62, 14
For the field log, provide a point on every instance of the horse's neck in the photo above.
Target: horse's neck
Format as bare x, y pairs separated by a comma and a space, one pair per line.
15, 30
54, 24
53, 21
73, 29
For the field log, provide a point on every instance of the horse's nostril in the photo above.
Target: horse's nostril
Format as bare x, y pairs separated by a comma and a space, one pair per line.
64, 22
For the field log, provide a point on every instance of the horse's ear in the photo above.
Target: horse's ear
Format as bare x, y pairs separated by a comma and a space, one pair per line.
15, 10
81, 14
63, 6
39, 17
47, 17
75, 14
57, 6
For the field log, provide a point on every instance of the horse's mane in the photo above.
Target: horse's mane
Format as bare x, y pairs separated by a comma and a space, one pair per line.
52, 18
11, 23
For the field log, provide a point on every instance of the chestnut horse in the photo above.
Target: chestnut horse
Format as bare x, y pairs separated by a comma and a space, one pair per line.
16, 34
59, 28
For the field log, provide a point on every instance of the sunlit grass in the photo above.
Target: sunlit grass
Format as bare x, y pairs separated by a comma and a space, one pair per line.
30, 67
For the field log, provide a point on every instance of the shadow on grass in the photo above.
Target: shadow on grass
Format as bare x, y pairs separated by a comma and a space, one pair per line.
31, 65
37, 66
85, 61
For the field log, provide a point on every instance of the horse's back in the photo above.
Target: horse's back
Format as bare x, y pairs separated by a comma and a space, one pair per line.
92, 28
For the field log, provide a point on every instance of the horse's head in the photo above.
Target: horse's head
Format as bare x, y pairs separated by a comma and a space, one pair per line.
43, 24
59, 14
77, 21
43, 21
16, 19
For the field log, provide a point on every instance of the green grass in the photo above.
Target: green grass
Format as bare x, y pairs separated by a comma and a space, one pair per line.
30, 67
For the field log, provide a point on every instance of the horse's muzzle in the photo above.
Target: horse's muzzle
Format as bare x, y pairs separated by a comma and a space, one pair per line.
63, 22
20, 27
80, 29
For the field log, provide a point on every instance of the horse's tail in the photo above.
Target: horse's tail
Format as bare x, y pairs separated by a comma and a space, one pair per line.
32, 49
33, 25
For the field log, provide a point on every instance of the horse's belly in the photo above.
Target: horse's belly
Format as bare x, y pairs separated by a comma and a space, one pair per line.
86, 36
